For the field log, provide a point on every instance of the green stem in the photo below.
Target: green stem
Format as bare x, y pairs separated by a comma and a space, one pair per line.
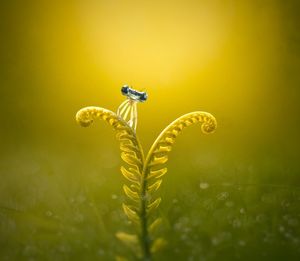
145, 239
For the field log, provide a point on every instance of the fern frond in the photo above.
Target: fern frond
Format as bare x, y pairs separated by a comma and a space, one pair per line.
129, 148
131, 194
153, 187
153, 226
131, 160
152, 206
131, 175
144, 175
131, 213
135, 187
156, 173
131, 152
158, 160
158, 244
131, 241
129, 143
157, 154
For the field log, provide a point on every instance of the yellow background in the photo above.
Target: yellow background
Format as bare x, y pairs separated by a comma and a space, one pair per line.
238, 60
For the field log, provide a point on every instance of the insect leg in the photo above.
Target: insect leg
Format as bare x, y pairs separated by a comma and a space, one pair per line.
128, 108
122, 107
134, 119
131, 121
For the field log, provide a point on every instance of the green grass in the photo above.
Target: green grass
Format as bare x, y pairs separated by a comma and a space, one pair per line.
55, 209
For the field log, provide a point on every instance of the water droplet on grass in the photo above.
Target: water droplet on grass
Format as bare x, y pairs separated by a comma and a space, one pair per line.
223, 195
204, 185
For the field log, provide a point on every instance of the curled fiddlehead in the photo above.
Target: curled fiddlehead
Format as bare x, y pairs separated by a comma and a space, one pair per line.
157, 156
144, 175
132, 155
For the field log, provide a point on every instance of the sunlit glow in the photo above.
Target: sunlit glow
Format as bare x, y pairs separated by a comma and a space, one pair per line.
60, 184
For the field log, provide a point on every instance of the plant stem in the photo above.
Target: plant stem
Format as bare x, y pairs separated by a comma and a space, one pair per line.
145, 239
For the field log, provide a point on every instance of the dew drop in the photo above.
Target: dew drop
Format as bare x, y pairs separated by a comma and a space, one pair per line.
223, 195
204, 185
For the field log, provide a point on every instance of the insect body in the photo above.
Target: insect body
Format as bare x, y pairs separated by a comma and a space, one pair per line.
134, 94
128, 109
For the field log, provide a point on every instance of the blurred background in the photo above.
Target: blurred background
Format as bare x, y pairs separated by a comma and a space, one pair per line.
232, 195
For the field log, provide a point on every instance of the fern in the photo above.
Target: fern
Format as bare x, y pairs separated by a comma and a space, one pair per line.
144, 175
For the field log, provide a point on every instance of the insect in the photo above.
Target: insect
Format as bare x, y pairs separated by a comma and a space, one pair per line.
128, 109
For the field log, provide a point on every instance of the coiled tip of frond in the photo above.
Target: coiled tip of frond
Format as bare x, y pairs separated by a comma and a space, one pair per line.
86, 116
83, 117
210, 125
